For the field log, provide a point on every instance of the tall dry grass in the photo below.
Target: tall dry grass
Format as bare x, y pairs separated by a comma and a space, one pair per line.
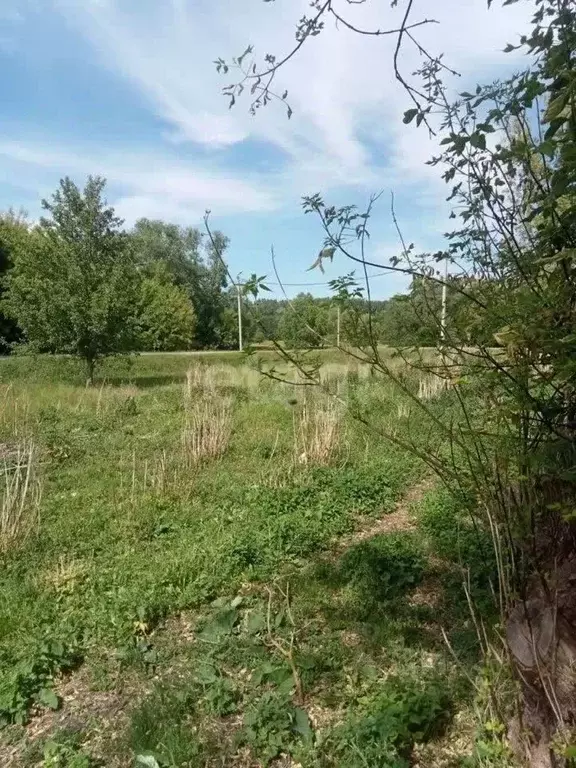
20, 492
317, 431
208, 420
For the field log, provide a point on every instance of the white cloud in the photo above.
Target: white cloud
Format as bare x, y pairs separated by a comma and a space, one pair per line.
346, 130
146, 184
340, 83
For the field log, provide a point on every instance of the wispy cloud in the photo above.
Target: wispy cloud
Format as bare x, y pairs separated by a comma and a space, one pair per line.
148, 184
346, 134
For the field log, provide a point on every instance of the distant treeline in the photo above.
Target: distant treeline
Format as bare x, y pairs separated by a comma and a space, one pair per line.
79, 282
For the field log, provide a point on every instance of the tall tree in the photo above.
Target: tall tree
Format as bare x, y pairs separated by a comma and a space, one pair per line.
193, 266
14, 231
165, 317
73, 286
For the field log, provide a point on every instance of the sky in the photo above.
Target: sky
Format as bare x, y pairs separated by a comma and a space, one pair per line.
127, 89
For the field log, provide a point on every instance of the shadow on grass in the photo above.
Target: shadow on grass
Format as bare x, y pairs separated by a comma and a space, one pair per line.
385, 593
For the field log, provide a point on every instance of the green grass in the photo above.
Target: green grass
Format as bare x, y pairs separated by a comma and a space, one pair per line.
217, 593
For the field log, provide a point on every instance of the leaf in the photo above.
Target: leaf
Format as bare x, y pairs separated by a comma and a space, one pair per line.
256, 622
302, 723
48, 698
409, 115
286, 686
149, 761
478, 140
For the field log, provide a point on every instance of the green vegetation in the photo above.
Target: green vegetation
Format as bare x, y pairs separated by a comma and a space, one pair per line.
232, 609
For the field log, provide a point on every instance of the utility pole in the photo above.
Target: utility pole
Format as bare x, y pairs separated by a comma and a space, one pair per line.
443, 316
239, 296
338, 326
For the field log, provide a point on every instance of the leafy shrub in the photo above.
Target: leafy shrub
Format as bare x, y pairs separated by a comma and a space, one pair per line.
160, 727
30, 682
385, 567
272, 725
381, 733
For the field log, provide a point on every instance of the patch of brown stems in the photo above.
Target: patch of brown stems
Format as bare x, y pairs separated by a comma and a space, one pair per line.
21, 491
317, 431
208, 423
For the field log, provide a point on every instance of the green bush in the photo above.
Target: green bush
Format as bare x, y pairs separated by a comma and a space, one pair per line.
272, 724
385, 567
386, 725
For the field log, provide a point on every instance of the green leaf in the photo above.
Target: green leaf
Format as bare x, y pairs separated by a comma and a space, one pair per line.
302, 723
148, 761
256, 622
48, 698
409, 115
478, 140
286, 686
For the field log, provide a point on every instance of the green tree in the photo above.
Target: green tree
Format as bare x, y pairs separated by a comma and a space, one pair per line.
165, 316
14, 231
73, 285
304, 322
194, 266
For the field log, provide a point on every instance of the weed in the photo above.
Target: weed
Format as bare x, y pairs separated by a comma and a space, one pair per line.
64, 750
32, 683
382, 730
272, 725
160, 726
384, 567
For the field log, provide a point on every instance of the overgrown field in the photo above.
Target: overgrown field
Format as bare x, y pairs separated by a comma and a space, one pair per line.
204, 567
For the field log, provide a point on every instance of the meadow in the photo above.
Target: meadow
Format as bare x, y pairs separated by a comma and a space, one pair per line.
204, 567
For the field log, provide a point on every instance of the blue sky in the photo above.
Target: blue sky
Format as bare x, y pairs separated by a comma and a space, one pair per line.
127, 89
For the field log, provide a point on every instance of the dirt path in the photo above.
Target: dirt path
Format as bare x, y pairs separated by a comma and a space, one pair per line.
400, 519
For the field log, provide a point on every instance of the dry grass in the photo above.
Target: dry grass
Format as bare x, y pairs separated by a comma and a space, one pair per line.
20, 491
317, 431
432, 386
208, 421
208, 378
208, 428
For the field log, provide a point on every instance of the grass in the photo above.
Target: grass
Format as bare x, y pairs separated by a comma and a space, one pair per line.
185, 600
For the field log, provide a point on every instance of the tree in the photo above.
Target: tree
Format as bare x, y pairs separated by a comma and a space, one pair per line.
165, 317
193, 267
73, 286
14, 231
304, 322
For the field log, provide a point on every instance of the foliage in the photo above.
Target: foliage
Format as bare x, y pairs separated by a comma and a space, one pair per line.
64, 750
304, 322
31, 682
384, 567
272, 724
160, 727
14, 231
194, 266
383, 729
165, 317
71, 288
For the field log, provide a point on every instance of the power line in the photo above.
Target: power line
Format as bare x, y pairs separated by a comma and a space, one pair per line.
327, 282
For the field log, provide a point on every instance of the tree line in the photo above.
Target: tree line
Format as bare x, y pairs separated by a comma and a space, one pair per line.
78, 282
